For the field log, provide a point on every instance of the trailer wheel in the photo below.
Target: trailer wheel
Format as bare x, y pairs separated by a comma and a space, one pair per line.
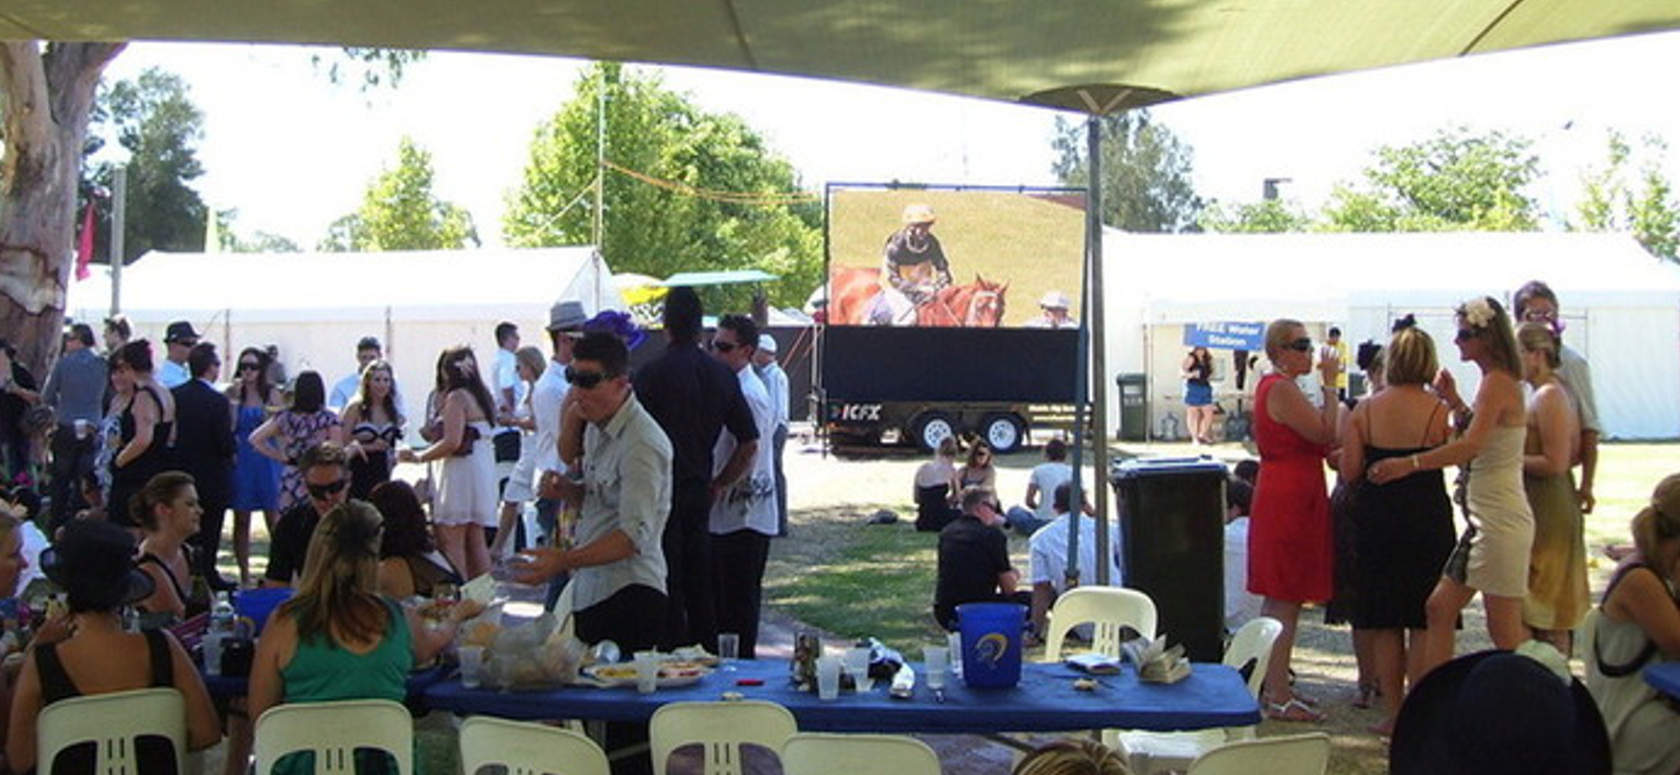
1004, 432
930, 428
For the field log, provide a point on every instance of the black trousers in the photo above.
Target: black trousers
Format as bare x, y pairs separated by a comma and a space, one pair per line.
781, 438
208, 542
72, 461
738, 569
692, 615
634, 618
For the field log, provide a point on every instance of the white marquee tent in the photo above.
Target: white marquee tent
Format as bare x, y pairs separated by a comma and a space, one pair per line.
315, 306
1621, 306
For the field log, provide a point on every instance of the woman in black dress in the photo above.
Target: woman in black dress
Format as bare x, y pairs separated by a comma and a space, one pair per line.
146, 428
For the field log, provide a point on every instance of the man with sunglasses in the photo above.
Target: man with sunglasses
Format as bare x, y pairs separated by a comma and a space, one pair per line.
1535, 302
693, 397
744, 516
326, 477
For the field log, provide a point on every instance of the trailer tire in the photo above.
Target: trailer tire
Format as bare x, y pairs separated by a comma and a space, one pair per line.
1003, 432
930, 428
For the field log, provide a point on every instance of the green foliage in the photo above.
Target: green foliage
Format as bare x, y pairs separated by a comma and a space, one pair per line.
1268, 216
1456, 180
1617, 198
400, 212
370, 68
154, 120
720, 199
1146, 172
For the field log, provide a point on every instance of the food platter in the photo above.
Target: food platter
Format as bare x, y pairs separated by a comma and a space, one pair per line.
672, 674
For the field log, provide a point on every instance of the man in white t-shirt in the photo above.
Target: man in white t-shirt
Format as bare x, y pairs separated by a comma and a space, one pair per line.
1241, 605
1047, 555
776, 382
1045, 478
743, 516
505, 390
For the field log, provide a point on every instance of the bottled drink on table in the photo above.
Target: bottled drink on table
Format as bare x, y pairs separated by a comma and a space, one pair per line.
221, 626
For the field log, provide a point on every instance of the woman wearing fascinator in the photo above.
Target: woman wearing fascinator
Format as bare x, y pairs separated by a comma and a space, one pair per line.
1492, 555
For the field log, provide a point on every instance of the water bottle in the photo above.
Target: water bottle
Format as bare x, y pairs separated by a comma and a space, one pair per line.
221, 626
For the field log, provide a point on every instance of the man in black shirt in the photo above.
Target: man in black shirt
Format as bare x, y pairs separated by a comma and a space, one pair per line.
974, 560
694, 398
326, 474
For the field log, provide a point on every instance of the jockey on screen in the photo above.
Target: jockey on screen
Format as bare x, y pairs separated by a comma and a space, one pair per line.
913, 270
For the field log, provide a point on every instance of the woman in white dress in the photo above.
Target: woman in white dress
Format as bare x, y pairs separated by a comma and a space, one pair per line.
1492, 555
466, 488
529, 365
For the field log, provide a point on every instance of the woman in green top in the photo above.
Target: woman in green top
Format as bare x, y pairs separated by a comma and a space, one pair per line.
337, 639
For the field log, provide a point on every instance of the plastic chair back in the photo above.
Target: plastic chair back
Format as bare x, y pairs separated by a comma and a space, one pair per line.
113, 722
1107, 609
1307, 754
721, 728
528, 749
334, 731
810, 753
1251, 647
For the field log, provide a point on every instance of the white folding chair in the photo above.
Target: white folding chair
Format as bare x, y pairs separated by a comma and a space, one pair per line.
334, 731
113, 723
1150, 752
811, 753
721, 728
1107, 609
1307, 754
528, 749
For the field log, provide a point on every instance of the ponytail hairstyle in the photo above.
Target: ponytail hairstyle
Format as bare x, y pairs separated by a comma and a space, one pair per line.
337, 592
160, 490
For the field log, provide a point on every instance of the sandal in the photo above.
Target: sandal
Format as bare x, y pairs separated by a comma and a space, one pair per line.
1292, 709
1368, 696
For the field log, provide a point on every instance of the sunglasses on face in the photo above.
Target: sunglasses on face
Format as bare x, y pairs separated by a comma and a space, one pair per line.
1301, 345
1465, 334
1539, 316
324, 491
723, 347
586, 380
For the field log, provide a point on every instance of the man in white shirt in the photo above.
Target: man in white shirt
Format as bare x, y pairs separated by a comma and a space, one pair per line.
1536, 303
743, 517
344, 391
504, 388
1045, 478
548, 397
179, 338
1241, 605
776, 382
1047, 555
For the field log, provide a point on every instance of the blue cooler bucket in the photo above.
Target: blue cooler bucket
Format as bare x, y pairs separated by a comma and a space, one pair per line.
991, 643
257, 604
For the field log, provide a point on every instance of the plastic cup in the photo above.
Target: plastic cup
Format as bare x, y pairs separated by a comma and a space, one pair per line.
953, 646
472, 666
729, 649
647, 672
857, 664
828, 678
936, 660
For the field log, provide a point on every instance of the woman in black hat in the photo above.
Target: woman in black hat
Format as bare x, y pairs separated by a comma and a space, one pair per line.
94, 563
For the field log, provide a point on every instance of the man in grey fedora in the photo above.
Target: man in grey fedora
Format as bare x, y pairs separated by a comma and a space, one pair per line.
548, 394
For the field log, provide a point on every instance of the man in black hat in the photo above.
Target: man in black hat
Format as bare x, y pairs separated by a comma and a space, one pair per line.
180, 338
205, 448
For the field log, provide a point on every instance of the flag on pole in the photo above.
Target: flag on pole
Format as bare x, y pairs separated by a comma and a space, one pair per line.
84, 248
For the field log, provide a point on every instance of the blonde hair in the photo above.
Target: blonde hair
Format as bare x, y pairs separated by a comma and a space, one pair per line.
336, 597
158, 491
1073, 757
364, 391
1538, 338
1279, 334
1659, 521
532, 359
1410, 357
1502, 344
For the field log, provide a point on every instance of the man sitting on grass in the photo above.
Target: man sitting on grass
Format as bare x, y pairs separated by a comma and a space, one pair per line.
974, 560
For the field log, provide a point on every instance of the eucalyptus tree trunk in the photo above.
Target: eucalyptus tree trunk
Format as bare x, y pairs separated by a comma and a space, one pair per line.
48, 95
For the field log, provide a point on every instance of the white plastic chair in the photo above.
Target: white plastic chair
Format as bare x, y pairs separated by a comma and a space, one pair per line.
528, 749
1107, 609
334, 731
1150, 752
1307, 754
721, 728
113, 722
810, 753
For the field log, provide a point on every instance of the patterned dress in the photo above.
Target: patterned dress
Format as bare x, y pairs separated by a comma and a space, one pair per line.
299, 432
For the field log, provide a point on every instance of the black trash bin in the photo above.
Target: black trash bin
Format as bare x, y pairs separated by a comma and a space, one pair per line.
1173, 529
1134, 406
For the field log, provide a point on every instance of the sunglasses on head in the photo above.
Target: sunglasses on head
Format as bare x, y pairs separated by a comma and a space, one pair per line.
324, 491
1300, 345
586, 379
724, 347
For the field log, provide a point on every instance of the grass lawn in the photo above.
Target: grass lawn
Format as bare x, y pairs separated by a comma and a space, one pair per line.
851, 579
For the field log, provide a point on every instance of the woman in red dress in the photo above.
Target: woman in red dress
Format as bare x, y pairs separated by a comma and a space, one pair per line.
1289, 549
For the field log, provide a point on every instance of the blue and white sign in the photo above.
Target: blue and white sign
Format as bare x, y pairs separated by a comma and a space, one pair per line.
1225, 336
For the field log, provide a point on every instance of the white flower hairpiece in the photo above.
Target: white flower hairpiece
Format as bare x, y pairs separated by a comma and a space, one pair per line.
1478, 312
